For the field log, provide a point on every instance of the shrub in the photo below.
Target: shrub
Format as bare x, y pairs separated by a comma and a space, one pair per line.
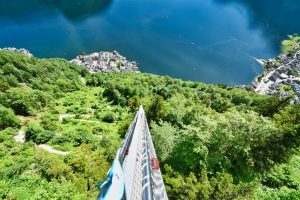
164, 137
25, 101
123, 128
37, 134
7, 134
102, 129
109, 118
134, 103
7, 118
157, 109
3, 85
48, 122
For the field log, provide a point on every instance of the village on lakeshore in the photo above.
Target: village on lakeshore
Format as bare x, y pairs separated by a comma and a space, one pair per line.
104, 61
281, 77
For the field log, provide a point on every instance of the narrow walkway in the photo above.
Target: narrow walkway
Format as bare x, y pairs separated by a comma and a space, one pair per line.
51, 150
21, 136
136, 166
63, 116
89, 121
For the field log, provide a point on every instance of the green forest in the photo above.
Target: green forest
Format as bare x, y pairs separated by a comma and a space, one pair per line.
213, 141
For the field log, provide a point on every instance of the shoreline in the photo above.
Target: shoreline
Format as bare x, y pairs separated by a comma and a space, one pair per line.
105, 61
268, 83
281, 76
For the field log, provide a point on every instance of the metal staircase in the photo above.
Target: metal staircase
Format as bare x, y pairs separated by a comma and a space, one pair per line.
135, 174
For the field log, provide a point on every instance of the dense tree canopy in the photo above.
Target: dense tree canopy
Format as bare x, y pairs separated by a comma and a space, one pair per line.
213, 141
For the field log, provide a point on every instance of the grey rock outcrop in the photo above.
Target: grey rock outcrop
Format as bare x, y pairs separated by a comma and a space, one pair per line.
13, 49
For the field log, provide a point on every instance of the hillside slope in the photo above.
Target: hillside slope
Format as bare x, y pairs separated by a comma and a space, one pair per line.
214, 142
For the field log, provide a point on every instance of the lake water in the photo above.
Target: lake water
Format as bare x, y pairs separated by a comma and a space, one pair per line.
213, 41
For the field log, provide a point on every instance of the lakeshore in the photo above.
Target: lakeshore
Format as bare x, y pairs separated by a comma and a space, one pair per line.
104, 61
281, 77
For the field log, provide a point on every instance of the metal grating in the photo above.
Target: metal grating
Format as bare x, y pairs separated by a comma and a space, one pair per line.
140, 179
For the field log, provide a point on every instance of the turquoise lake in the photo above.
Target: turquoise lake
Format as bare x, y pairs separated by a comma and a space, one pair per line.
212, 41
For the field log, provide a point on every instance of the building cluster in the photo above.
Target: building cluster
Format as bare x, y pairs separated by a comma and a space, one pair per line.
106, 62
281, 77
